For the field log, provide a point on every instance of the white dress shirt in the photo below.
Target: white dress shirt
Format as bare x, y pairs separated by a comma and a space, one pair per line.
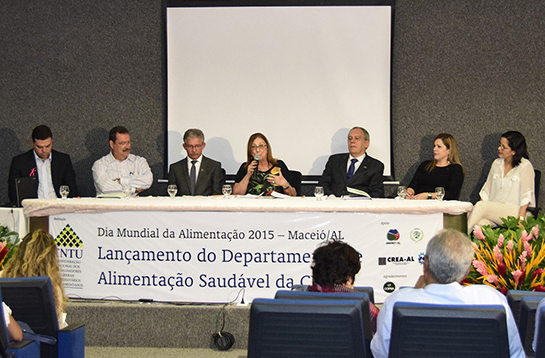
517, 187
453, 294
133, 171
45, 182
357, 164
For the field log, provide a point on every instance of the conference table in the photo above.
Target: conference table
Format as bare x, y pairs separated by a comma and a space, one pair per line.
216, 249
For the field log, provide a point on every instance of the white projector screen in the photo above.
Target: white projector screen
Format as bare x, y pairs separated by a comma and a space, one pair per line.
301, 75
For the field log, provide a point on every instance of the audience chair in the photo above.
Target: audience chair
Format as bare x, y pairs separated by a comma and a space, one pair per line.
540, 344
31, 301
305, 328
23, 349
362, 297
425, 330
515, 296
364, 289
527, 321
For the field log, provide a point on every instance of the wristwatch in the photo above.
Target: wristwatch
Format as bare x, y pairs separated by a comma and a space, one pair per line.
429, 195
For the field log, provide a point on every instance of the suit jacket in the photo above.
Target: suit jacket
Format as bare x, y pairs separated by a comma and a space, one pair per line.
368, 177
62, 172
209, 180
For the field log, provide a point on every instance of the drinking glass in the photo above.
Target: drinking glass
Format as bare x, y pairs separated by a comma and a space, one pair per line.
439, 193
226, 190
64, 191
319, 192
401, 192
172, 190
127, 191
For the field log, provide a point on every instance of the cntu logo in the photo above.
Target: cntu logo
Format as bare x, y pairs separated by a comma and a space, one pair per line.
69, 244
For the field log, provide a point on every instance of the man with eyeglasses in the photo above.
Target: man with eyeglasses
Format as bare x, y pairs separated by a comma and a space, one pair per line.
196, 174
120, 169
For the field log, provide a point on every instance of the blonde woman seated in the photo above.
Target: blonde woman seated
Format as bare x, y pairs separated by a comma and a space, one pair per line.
272, 174
509, 187
37, 256
445, 170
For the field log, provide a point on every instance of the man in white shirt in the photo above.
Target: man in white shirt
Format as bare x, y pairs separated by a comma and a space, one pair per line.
120, 168
51, 168
448, 257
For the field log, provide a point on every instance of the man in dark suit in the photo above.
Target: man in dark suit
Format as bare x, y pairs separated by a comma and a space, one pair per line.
196, 174
355, 169
51, 168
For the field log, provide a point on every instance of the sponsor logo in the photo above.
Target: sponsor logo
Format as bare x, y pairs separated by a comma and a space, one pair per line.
395, 260
421, 258
417, 234
70, 249
389, 287
68, 238
393, 235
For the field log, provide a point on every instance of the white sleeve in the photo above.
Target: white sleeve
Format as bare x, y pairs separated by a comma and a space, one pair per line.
142, 178
527, 182
102, 177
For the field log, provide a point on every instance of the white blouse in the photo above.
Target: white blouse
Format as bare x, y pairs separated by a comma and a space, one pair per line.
517, 187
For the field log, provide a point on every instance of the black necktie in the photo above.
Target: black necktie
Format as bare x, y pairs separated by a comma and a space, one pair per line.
192, 177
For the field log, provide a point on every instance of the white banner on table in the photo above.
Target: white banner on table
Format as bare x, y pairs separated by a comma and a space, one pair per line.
211, 256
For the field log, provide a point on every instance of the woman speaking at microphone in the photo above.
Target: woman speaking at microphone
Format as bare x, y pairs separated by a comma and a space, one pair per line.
262, 173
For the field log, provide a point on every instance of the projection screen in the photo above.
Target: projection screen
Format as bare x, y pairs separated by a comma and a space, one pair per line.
301, 75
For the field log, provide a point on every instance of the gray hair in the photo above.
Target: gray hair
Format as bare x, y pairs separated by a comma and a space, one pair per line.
193, 133
365, 132
449, 253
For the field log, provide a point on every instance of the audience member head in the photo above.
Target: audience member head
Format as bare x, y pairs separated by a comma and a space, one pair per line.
448, 257
259, 144
42, 141
335, 263
120, 142
358, 141
513, 147
194, 143
37, 256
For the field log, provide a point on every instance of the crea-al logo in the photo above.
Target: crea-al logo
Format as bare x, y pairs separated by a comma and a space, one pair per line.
382, 261
389, 287
69, 243
417, 234
393, 235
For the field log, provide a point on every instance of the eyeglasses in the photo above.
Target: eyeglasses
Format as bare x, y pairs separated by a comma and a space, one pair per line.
255, 147
193, 146
503, 147
124, 143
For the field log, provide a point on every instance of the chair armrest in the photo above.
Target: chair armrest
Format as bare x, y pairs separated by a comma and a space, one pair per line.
71, 341
25, 349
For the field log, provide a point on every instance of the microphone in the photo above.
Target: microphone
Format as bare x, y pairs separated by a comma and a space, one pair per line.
256, 158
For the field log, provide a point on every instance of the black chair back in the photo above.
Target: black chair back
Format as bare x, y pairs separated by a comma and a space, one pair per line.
295, 180
515, 296
305, 328
31, 301
527, 321
423, 330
